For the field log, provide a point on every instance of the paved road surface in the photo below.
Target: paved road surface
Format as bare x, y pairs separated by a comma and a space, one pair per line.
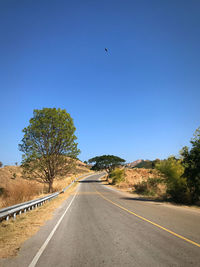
105, 228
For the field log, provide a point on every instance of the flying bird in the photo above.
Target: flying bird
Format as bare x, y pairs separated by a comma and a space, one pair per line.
106, 49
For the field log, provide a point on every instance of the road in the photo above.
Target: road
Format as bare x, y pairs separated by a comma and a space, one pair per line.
102, 227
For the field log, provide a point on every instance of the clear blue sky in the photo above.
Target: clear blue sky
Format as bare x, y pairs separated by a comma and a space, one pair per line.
139, 100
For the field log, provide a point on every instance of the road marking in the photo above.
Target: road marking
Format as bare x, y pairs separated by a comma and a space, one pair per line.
40, 251
153, 223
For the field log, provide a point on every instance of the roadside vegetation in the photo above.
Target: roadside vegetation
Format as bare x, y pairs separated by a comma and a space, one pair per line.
150, 187
146, 182
175, 179
15, 189
14, 233
117, 176
176, 184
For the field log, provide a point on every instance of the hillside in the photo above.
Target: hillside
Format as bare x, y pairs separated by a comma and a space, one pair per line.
140, 163
134, 163
14, 189
143, 181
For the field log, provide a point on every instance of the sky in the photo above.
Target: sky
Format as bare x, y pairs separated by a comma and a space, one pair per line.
139, 100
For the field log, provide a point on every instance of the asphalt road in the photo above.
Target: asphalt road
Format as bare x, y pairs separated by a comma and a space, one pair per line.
100, 227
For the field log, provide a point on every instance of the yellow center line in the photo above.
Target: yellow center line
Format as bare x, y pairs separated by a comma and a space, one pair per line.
86, 193
144, 219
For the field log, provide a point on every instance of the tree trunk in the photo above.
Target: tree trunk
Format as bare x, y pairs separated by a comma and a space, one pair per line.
50, 187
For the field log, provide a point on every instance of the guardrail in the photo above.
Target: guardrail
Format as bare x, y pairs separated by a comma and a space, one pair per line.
12, 211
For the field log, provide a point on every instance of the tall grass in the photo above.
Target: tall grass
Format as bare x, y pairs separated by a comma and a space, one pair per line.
17, 191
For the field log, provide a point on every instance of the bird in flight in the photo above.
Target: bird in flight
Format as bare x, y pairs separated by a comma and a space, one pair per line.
106, 49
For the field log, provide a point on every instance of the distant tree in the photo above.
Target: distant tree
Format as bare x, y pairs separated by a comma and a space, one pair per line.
106, 162
16, 163
48, 145
191, 162
1, 164
85, 161
154, 162
146, 164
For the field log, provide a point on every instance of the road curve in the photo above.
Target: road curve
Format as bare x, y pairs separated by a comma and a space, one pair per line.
101, 227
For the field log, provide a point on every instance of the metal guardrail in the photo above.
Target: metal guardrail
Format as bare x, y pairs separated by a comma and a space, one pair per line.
14, 210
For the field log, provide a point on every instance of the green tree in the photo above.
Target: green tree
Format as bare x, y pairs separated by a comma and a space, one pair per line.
1, 164
173, 170
48, 145
191, 162
106, 162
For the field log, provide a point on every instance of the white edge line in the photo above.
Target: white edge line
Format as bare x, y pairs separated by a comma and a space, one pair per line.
39, 253
41, 250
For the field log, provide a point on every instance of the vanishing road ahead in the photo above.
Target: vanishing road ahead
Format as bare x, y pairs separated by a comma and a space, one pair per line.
102, 227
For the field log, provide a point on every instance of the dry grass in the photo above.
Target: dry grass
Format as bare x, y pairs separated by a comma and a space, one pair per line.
14, 233
14, 189
134, 177
18, 191
60, 184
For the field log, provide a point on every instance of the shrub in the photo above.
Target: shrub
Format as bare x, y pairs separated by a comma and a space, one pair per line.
149, 187
176, 184
141, 188
117, 176
1, 164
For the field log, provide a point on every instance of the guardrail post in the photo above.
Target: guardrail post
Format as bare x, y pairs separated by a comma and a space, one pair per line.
7, 218
24, 210
20, 212
14, 216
